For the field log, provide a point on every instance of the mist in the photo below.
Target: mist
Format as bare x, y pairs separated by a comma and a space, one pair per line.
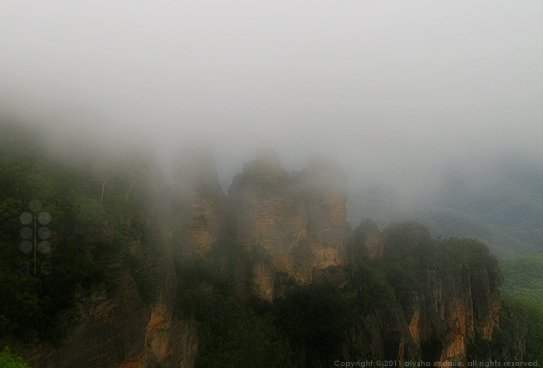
248, 183
394, 91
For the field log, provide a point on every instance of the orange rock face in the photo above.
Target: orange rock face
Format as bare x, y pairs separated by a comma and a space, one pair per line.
294, 222
449, 294
116, 329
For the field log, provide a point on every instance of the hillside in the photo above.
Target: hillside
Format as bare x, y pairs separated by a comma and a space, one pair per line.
524, 277
501, 204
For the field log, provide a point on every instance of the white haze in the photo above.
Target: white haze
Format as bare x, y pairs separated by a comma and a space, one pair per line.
391, 89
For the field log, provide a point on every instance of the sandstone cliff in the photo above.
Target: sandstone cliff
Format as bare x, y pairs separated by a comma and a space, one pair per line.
199, 205
412, 297
127, 319
293, 223
447, 292
112, 326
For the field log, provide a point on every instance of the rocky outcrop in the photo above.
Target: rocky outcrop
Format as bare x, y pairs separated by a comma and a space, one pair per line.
199, 205
292, 223
429, 300
447, 292
368, 240
113, 327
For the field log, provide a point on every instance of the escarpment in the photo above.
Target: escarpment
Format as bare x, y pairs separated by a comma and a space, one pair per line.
294, 223
293, 226
113, 326
121, 314
199, 208
407, 296
447, 291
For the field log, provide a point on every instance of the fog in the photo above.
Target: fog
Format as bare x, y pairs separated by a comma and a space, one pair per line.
393, 90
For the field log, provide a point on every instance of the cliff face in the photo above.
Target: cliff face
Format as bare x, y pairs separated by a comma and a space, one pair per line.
127, 320
447, 292
443, 294
113, 327
369, 240
293, 224
199, 206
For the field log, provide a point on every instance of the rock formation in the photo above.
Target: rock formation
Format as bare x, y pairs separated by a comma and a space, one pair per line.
369, 240
293, 223
199, 205
113, 327
291, 226
446, 293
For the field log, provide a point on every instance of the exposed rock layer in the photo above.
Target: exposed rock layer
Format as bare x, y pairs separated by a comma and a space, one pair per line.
294, 224
113, 327
447, 293
199, 206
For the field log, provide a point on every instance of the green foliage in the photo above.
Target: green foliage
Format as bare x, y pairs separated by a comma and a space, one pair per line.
533, 313
410, 249
500, 204
231, 334
10, 360
315, 318
147, 288
32, 297
521, 323
523, 304
369, 288
449, 222
524, 277
85, 225
240, 336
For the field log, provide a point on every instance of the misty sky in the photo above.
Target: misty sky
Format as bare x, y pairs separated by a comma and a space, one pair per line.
400, 84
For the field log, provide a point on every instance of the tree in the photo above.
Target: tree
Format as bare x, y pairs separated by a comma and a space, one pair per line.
10, 360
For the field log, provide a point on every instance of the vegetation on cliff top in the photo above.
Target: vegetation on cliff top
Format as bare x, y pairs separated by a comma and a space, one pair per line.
89, 214
524, 277
519, 336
